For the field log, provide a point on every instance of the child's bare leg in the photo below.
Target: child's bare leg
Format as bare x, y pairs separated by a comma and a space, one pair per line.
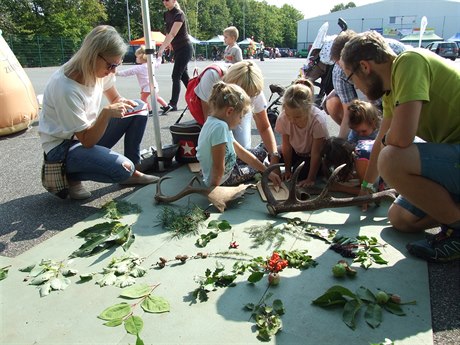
161, 101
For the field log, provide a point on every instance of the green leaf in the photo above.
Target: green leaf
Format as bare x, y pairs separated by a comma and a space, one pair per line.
125, 246
136, 291
342, 290
373, 315
224, 226
103, 229
45, 289
40, 279
329, 299
114, 312
154, 304
365, 294
278, 306
4, 272
36, 270
113, 323
394, 308
255, 277
139, 341
134, 325
349, 312
378, 259
27, 268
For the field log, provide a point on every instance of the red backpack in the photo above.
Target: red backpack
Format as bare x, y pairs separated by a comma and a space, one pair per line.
192, 100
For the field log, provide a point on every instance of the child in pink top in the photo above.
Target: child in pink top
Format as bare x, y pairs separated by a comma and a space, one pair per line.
142, 73
304, 132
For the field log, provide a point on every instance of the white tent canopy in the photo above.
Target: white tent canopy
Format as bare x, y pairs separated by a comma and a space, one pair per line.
219, 39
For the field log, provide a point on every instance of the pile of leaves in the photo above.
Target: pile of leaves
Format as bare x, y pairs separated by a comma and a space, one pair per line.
117, 209
120, 272
49, 275
211, 281
267, 317
217, 226
103, 236
351, 302
362, 249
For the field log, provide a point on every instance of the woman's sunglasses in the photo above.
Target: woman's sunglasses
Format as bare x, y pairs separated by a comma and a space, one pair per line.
110, 66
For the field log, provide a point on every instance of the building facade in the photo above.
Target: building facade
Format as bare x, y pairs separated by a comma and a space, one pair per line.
392, 18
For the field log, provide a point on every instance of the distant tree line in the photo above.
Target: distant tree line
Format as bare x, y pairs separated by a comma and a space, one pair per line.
73, 19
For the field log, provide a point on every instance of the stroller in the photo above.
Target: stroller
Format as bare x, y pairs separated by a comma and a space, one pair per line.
319, 64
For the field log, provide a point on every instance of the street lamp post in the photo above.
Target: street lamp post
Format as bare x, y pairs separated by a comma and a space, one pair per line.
127, 15
244, 19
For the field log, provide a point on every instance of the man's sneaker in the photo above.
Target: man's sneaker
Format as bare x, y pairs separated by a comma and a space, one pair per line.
442, 247
78, 192
167, 108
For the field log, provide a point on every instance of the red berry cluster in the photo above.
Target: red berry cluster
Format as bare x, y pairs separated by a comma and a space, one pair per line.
276, 263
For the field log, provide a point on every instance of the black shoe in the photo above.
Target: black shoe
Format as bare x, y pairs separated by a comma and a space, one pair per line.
166, 109
442, 247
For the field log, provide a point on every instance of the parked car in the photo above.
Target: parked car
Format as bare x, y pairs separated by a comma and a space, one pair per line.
129, 56
448, 50
302, 53
458, 45
285, 52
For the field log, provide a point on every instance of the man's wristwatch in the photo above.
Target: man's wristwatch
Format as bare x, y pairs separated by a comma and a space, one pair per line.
274, 154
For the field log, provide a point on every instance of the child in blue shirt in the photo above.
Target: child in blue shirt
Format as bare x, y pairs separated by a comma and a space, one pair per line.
217, 150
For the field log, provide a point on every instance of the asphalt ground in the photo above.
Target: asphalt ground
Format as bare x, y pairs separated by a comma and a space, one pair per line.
29, 215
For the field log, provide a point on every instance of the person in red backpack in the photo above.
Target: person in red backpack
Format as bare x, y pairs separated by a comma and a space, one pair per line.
249, 77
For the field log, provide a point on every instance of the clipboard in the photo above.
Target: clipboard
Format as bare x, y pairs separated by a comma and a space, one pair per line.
140, 109
281, 194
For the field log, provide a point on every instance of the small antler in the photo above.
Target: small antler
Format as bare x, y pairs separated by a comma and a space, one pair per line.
218, 196
323, 200
189, 189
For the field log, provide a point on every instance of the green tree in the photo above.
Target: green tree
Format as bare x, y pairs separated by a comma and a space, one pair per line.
341, 6
72, 19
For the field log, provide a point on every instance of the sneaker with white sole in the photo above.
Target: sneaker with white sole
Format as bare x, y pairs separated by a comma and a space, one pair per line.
439, 248
78, 192
141, 179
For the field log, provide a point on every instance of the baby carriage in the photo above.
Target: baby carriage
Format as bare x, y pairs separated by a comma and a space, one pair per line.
319, 64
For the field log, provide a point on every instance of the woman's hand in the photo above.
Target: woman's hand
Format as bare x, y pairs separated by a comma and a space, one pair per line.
118, 109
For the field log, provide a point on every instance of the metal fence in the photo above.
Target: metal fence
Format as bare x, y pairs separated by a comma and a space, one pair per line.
40, 51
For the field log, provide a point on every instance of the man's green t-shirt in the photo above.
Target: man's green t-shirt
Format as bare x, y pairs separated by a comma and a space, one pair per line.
418, 75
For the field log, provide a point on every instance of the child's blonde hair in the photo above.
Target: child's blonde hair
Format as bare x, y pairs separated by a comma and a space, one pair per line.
232, 32
140, 53
229, 95
298, 96
361, 111
247, 75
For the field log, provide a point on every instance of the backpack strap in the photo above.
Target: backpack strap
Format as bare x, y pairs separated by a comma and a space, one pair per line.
214, 67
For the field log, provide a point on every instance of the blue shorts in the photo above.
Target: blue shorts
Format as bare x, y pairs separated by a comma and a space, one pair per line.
441, 164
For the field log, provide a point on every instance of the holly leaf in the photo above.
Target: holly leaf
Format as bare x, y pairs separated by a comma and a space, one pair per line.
155, 304
373, 315
349, 312
134, 325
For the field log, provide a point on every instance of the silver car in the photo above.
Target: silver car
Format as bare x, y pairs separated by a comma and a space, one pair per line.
448, 50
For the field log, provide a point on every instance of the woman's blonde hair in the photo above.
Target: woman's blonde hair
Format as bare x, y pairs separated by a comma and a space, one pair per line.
361, 111
103, 41
140, 53
229, 95
298, 96
247, 75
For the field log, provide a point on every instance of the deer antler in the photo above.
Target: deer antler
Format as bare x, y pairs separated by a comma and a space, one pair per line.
323, 200
189, 189
218, 196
